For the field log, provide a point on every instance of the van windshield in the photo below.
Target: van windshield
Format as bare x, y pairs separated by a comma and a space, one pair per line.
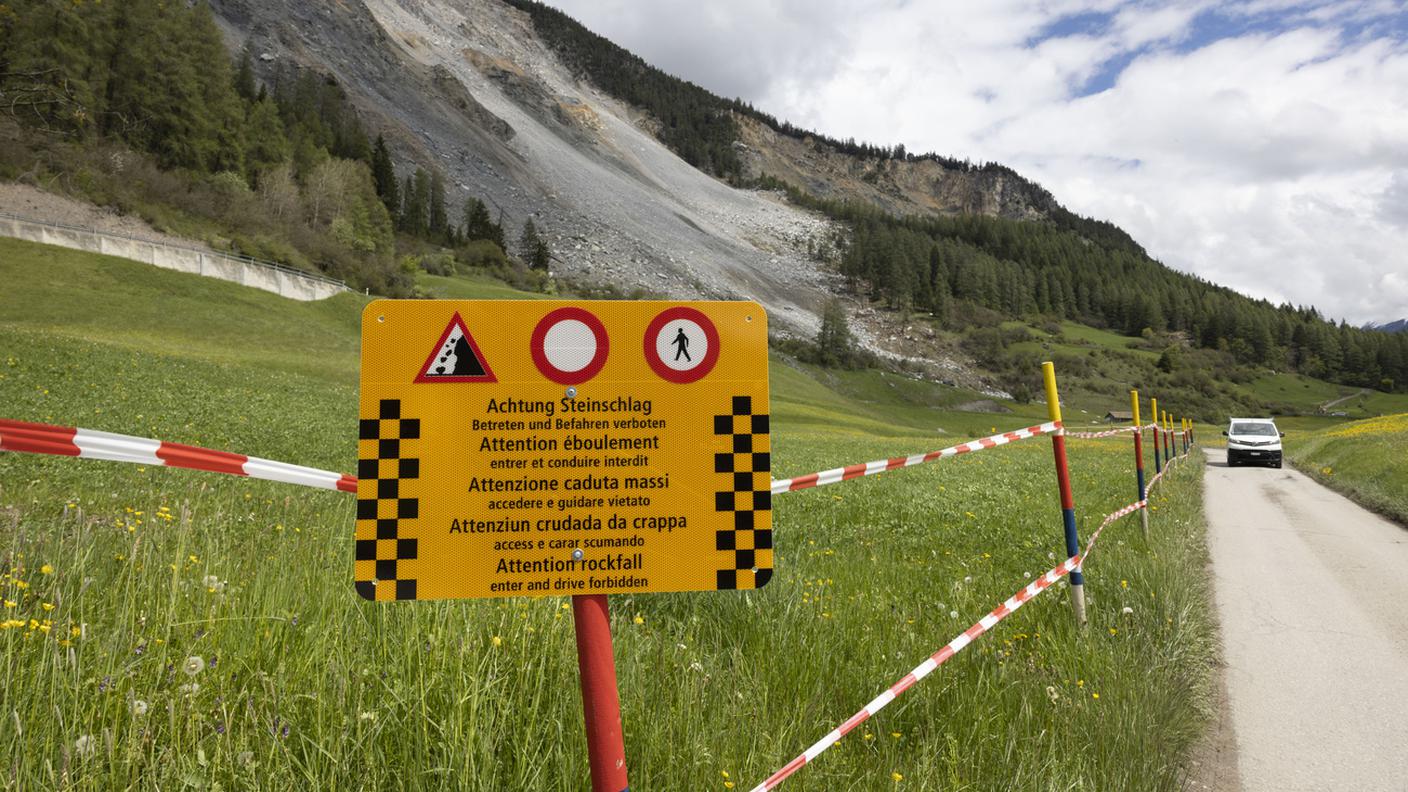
1266, 429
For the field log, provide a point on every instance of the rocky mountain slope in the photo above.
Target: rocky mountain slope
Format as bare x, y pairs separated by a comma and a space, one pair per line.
464, 86
467, 87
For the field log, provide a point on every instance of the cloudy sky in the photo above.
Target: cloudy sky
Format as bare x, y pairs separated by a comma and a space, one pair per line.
1261, 144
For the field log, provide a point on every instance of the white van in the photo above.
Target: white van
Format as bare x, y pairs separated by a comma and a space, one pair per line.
1254, 440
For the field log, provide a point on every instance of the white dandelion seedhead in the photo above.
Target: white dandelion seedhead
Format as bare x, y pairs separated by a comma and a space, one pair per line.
1051, 693
189, 689
953, 614
1127, 610
210, 581
193, 665
967, 578
139, 708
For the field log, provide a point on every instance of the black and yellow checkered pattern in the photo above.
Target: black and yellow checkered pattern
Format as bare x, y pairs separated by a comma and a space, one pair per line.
745, 477
382, 469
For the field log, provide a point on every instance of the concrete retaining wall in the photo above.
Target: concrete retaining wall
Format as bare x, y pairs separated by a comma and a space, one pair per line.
250, 272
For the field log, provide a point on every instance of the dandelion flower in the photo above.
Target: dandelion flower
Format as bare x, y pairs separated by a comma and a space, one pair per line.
46, 570
723, 773
1113, 631
85, 746
638, 619
139, 708
896, 777
193, 665
496, 640
1095, 695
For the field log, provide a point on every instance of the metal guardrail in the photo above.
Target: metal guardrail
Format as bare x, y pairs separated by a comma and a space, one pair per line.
236, 257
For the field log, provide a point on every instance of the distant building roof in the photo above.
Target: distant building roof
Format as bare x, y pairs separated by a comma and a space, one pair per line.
1116, 415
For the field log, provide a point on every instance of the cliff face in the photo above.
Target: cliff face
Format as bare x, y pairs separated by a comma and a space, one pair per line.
901, 187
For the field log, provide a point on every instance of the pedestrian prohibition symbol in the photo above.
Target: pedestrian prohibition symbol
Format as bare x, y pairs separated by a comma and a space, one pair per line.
551, 448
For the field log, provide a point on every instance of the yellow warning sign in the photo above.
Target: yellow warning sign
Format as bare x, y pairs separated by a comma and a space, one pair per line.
522, 448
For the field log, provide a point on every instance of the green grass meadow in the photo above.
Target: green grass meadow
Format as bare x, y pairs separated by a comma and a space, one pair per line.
1366, 460
115, 576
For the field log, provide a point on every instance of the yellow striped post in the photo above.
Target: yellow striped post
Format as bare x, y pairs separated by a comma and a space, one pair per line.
1063, 485
1139, 461
1154, 411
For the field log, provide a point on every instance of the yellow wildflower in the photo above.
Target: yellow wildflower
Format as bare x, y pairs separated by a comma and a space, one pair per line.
46, 570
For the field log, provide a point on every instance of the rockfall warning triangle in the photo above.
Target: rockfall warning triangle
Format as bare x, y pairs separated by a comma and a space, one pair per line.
456, 358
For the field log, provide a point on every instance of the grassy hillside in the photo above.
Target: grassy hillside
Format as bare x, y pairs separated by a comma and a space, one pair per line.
1366, 460
116, 575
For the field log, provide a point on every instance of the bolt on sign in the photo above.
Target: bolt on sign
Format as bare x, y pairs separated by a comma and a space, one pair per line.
524, 448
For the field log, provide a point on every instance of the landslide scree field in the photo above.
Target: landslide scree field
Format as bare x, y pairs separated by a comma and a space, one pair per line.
173, 629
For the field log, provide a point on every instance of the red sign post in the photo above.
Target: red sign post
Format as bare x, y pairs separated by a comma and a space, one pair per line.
601, 704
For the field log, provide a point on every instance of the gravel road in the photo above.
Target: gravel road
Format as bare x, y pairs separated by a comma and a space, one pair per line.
1312, 594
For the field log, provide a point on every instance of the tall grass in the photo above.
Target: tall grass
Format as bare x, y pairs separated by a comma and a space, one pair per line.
304, 685
1366, 460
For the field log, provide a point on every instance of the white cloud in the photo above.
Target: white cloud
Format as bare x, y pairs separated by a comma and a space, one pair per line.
1273, 160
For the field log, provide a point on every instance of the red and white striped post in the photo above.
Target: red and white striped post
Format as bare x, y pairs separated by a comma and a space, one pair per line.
1139, 462
1063, 484
601, 704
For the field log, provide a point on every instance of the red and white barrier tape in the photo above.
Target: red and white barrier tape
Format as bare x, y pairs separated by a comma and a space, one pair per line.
40, 438
1107, 433
882, 465
953, 647
922, 670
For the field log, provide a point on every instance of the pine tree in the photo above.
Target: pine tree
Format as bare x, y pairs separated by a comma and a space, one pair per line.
245, 84
439, 222
415, 206
48, 54
477, 224
265, 143
384, 174
833, 341
532, 248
